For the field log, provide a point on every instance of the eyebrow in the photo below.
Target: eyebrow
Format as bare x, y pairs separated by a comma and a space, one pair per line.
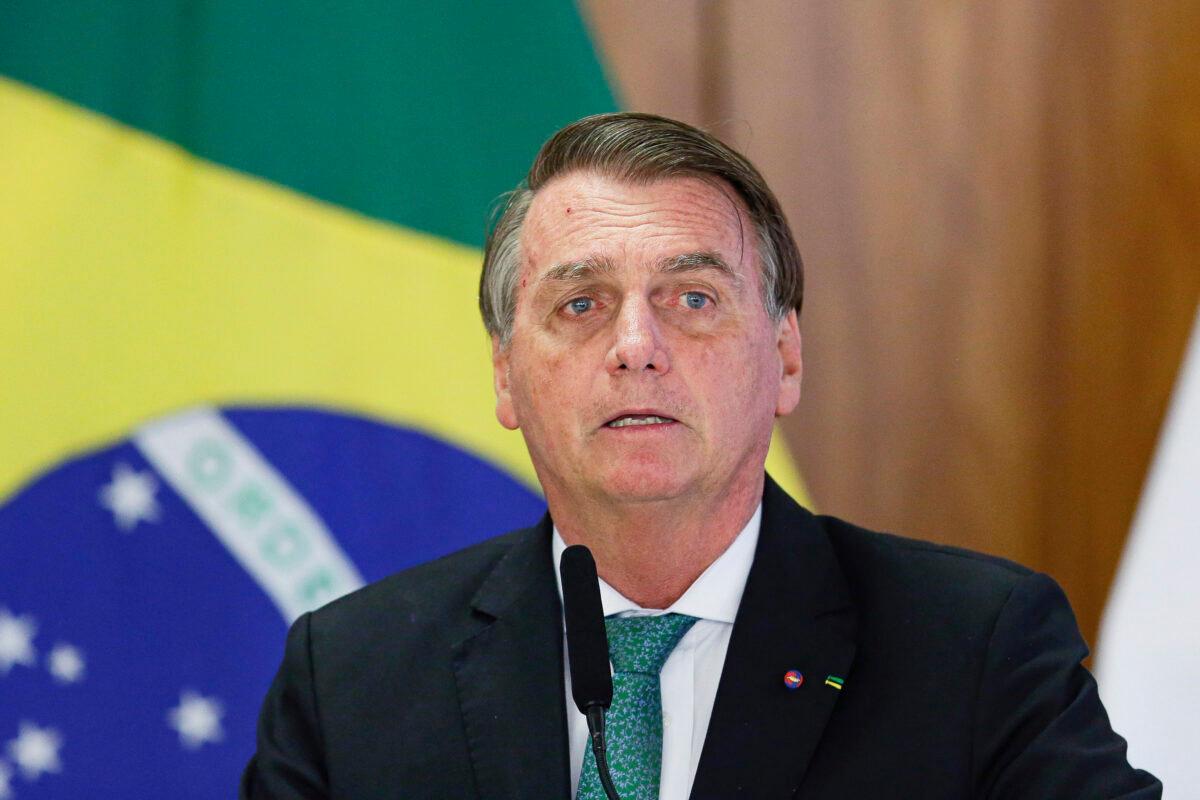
577, 270
695, 262
598, 265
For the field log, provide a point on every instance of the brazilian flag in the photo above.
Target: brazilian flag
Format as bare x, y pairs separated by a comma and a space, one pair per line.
241, 368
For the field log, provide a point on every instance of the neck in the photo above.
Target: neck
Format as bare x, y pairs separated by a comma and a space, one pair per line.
652, 551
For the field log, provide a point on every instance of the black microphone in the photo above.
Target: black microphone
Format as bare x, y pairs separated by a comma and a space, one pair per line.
587, 650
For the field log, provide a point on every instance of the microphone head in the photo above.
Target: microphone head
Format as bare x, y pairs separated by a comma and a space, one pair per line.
587, 640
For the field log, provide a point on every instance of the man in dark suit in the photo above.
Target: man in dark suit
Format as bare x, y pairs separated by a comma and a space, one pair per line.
642, 291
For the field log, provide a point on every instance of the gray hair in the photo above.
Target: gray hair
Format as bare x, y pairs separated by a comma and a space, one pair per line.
638, 148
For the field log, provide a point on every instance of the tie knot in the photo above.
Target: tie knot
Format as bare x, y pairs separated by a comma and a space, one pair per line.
642, 644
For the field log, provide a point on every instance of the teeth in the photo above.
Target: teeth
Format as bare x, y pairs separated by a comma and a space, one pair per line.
623, 421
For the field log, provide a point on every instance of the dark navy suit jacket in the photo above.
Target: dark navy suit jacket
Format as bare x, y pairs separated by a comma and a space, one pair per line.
961, 679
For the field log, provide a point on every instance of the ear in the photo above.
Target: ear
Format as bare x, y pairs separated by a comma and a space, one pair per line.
791, 362
504, 405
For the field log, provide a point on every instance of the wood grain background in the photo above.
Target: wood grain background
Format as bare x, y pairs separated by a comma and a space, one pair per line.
998, 205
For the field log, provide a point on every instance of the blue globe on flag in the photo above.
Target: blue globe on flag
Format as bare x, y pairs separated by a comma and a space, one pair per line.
146, 587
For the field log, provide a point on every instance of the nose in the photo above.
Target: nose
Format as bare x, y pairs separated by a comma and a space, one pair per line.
638, 344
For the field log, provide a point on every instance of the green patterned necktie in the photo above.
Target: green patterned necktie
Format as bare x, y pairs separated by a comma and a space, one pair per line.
638, 647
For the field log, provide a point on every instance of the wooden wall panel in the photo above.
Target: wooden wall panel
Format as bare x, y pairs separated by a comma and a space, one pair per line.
1123, 160
652, 52
920, 280
997, 204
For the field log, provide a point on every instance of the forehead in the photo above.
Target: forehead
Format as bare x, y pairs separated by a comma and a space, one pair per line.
583, 215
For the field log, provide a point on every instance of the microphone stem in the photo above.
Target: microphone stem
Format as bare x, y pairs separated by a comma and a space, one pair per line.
595, 722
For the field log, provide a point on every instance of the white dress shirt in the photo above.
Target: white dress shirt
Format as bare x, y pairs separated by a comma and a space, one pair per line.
692, 672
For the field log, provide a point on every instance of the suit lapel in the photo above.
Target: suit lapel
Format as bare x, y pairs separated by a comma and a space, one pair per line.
510, 676
795, 614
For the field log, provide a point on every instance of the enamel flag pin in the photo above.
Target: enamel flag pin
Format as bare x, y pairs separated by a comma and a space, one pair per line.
834, 681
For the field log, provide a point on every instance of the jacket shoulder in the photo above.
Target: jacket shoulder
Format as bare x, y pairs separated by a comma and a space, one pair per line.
436, 594
861, 544
893, 574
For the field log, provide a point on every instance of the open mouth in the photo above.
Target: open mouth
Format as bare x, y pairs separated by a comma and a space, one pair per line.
628, 420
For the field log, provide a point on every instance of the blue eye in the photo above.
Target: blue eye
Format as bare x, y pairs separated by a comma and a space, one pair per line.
580, 305
695, 299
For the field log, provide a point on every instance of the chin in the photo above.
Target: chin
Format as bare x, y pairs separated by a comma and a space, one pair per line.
646, 483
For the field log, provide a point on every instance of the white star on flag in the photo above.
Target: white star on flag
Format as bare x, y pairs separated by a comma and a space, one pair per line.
130, 497
66, 663
35, 751
16, 640
197, 719
5, 781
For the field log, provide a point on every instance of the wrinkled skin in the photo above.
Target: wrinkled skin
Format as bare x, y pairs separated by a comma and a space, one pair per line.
638, 300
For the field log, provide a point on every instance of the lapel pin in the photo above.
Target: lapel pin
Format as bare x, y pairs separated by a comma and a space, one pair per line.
834, 681
792, 679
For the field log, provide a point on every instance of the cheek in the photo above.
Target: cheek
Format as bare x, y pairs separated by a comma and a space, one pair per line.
737, 359
739, 377
715, 369
544, 385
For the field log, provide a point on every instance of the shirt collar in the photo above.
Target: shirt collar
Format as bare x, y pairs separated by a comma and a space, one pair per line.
715, 595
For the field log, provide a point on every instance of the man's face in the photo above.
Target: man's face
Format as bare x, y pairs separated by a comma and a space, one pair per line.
642, 364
